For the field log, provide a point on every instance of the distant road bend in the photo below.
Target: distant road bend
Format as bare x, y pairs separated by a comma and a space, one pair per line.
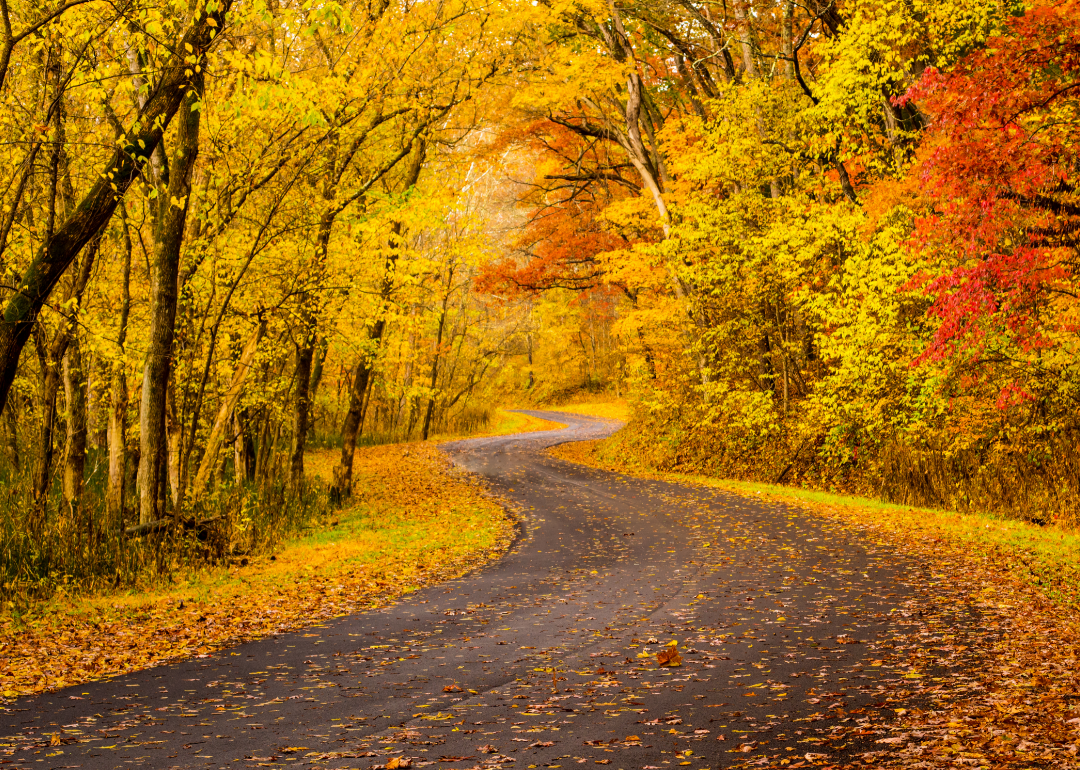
545, 658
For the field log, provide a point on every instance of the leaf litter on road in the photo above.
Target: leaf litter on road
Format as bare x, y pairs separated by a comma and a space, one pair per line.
988, 673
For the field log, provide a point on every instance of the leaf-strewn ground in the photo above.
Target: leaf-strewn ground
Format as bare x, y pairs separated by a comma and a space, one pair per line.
1011, 700
416, 520
617, 409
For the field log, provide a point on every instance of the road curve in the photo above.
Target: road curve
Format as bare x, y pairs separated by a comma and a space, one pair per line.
787, 625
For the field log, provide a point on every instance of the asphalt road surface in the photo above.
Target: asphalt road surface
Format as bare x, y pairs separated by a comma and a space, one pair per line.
788, 626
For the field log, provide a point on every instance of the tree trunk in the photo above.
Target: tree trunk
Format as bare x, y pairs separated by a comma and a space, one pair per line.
43, 467
228, 406
317, 369
406, 381
174, 435
75, 446
262, 458
305, 355
438, 351
117, 430
51, 359
13, 441
243, 448
787, 39
350, 429
746, 37
114, 493
169, 237
96, 410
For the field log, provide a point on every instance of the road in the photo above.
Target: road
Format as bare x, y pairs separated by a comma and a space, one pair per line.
792, 632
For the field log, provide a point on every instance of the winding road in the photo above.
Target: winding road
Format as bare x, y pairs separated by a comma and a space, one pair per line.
789, 627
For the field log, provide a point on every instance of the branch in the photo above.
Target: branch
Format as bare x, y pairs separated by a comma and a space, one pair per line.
1042, 202
11, 40
586, 129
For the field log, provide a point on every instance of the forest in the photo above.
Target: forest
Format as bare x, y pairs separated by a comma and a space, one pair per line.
824, 244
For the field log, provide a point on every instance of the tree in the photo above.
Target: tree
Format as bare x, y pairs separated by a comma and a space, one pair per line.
118, 173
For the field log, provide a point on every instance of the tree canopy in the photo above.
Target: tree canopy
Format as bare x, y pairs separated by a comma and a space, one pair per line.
827, 243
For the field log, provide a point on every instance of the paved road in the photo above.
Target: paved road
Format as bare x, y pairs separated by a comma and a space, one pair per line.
792, 633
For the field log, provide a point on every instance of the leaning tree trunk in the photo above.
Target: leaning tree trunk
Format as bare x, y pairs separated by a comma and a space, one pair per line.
228, 405
169, 238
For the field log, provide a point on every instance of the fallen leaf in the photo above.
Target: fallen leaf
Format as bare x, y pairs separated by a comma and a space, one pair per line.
669, 656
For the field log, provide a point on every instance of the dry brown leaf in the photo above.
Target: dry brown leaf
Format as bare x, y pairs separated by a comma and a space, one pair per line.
669, 656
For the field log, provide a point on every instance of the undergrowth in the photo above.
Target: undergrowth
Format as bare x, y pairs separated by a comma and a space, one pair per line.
415, 520
51, 548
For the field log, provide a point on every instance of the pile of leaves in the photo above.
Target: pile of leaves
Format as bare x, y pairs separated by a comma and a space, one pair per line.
417, 521
1012, 700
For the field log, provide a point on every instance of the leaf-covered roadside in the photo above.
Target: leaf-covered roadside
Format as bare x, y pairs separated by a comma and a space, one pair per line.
618, 409
417, 521
506, 422
1003, 696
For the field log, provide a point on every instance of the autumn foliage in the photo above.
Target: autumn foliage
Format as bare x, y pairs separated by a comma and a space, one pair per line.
850, 258
830, 244
1000, 170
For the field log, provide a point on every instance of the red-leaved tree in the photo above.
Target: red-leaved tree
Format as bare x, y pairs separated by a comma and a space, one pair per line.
999, 174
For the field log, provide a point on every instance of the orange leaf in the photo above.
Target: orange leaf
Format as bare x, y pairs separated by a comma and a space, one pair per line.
669, 656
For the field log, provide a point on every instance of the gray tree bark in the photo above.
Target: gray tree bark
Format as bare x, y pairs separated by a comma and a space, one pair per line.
118, 397
168, 239
75, 445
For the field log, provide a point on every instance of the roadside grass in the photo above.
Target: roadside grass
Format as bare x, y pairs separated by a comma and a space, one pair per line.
416, 520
